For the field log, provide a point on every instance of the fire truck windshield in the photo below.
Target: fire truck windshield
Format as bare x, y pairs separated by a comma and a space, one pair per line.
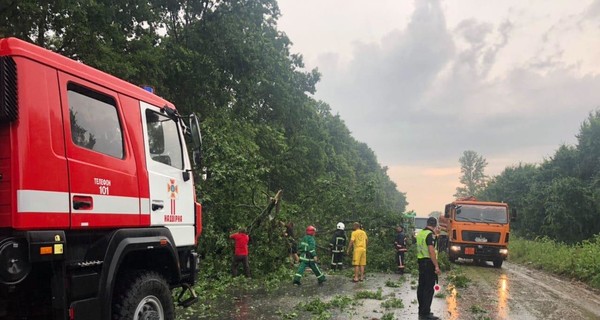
475, 213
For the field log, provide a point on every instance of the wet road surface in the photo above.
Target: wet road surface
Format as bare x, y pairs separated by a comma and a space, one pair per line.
517, 292
512, 292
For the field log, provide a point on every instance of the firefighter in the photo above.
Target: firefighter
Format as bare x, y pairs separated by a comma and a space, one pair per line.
429, 268
400, 245
308, 256
337, 246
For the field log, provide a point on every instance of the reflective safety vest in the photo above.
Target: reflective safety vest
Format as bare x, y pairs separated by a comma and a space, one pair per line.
307, 248
338, 243
422, 249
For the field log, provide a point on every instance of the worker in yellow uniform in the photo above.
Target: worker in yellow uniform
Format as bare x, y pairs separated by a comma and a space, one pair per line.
358, 241
429, 268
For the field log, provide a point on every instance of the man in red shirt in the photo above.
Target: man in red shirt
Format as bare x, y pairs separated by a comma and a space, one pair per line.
241, 252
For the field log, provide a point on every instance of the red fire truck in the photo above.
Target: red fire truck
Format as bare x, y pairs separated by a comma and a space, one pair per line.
98, 218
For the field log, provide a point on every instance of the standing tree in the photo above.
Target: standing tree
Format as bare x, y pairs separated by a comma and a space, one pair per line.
435, 214
472, 166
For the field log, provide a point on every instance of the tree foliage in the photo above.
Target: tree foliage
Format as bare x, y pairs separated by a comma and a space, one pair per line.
560, 198
473, 178
227, 61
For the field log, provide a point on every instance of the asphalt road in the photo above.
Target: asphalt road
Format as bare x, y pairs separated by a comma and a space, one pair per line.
511, 292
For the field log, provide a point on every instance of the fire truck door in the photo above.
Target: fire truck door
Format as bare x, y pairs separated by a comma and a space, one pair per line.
171, 183
103, 185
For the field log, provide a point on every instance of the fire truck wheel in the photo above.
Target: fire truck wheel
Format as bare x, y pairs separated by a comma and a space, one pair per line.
143, 295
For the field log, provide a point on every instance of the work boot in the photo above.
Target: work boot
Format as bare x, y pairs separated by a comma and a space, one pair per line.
297, 283
429, 316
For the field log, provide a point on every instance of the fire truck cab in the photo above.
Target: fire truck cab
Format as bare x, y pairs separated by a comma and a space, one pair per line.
98, 211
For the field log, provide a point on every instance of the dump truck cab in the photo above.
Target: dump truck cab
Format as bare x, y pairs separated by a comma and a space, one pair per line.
477, 230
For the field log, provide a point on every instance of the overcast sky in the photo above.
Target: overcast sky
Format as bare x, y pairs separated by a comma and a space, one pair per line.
422, 81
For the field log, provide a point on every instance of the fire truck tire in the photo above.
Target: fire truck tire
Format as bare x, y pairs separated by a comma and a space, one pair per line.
143, 295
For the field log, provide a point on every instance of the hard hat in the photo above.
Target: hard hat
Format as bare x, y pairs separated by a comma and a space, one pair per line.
310, 230
341, 226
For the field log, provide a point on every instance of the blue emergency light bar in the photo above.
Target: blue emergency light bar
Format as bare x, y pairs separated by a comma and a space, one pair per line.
148, 88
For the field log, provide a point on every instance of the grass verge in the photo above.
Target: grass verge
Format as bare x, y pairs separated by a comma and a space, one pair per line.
580, 261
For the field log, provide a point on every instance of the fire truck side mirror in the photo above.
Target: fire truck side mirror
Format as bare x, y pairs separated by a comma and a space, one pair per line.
513, 215
196, 136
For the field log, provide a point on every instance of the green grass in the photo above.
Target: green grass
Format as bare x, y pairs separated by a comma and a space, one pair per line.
377, 295
388, 316
394, 284
477, 309
457, 279
580, 261
286, 315
341, 302
393, 303
320, 309
315, 306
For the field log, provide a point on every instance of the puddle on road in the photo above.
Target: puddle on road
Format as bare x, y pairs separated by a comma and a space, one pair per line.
503, 296
452, 303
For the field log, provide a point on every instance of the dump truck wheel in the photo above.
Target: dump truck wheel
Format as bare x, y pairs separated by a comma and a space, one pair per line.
498, 263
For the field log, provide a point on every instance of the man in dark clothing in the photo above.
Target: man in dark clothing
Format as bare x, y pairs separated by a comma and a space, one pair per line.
400, 245
429, 268
338, 246
241, 252
291, 242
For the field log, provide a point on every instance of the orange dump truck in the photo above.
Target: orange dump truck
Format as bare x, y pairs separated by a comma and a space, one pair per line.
477, 230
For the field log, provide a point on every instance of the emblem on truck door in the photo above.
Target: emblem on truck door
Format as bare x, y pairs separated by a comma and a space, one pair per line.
172, 189
173, 195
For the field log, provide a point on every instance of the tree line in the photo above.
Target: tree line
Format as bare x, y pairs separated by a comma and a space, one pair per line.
560, 197
227, 61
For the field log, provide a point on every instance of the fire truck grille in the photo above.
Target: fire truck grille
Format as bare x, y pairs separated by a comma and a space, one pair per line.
8, 90
484, 237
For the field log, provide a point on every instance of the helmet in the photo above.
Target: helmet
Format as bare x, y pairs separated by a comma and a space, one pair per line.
310, 230
340, 226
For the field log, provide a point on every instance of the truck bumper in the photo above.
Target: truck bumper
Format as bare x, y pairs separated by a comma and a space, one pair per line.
477, 251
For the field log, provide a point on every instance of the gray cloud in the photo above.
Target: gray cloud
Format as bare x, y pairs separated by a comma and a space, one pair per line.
417, 97
593, 11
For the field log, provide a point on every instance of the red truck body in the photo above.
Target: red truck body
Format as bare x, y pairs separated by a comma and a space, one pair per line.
95, 189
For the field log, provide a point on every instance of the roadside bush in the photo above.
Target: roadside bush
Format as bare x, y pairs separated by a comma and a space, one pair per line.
580, 261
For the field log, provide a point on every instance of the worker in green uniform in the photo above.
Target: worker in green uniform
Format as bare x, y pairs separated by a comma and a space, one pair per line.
308, 256
429, 268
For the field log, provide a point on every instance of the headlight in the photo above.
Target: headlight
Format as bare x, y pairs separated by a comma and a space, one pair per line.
455, 248
503, 251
